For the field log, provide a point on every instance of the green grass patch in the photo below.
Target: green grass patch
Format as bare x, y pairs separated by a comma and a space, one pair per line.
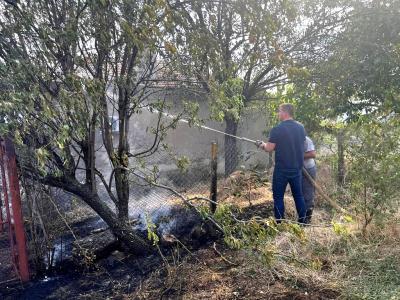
373, 275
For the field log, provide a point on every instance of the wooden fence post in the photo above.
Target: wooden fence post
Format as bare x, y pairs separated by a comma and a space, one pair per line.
214, 176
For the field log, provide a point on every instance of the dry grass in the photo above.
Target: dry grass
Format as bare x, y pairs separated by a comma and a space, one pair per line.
80, 211
321, 271
205, 274
317, 267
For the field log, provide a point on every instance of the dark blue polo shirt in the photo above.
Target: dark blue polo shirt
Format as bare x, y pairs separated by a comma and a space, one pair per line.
289, 137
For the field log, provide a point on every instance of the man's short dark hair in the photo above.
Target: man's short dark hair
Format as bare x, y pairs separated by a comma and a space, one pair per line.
288, 108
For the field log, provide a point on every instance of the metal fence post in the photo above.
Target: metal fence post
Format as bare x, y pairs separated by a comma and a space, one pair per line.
214, 180
17, 210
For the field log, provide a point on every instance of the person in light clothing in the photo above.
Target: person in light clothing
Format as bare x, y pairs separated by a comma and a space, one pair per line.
311, 168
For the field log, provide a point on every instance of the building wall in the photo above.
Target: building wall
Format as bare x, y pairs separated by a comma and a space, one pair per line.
193, 142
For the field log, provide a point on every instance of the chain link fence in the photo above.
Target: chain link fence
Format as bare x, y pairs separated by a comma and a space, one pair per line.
187, 171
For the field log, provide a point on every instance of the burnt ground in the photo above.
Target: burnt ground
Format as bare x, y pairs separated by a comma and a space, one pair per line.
118, 273
211, 272
180, 271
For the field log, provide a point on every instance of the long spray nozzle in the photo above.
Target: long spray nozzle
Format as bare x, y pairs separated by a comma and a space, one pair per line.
209, 128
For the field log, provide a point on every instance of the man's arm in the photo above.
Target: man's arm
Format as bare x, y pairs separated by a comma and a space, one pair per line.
269, 147
309, 149
310, 154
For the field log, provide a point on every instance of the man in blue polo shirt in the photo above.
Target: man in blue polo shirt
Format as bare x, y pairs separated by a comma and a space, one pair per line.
287, 140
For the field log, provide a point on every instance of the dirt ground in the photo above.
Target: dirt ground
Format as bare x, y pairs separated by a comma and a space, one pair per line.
223, 274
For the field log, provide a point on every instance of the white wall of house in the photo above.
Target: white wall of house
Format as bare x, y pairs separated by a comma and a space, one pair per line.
193, 142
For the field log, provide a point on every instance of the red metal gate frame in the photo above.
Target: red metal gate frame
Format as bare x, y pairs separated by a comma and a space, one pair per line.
8, 166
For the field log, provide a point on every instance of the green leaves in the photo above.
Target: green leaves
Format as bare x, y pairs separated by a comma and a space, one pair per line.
42, 155
183, 163
373, 164
151, 231
256, 235
169, 47
361, 71
340, 229
228, 100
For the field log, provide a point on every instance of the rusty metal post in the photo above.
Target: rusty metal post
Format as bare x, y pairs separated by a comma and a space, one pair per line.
17, 210
214, 178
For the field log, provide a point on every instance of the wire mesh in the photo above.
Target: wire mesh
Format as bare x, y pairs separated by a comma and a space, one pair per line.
187, 170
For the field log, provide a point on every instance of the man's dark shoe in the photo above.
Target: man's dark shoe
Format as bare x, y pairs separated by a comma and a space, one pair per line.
308, 216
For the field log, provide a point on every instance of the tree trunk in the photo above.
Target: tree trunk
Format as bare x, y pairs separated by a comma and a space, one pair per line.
121, 173
91, 177
231, 152
120, 228
341, 168
122, 187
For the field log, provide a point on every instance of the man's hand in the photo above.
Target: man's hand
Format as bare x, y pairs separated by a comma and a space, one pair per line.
259, 144
269, 147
